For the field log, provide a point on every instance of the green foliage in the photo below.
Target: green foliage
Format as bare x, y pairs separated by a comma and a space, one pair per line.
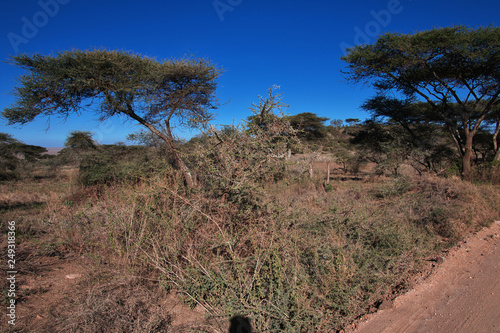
452, 71
444, 52
113, 164
119, 81
352, 121
308, 125
153, 93
80, 140
234, 162
329, 188
424, 147
16, 156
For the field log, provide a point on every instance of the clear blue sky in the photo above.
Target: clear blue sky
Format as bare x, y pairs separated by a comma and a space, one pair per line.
294, 44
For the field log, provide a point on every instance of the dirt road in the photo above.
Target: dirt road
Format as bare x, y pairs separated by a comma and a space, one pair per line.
462, 296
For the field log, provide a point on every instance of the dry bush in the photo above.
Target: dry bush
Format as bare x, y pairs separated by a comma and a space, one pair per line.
487, 173
287, 254
29, 192
453, 208
254, 241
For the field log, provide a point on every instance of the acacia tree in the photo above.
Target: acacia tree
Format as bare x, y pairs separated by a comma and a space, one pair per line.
154, 93
13, 148
309, 125
454, 70
80, 140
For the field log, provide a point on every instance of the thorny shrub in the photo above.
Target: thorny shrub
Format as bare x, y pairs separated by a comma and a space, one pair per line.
304, 260
283, 252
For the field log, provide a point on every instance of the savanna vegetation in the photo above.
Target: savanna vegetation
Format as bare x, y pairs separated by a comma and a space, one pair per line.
295, 224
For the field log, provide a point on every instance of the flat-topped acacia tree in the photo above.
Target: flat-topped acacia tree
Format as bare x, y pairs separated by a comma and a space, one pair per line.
454, 71
153, 93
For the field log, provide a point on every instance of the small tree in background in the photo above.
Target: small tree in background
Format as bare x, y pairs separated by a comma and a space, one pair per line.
308, 125
273, 125
352, 121
76, 145
80, 141
336, 123
266, 112
145, 138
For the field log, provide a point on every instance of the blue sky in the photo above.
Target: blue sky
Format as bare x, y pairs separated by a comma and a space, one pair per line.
294, 44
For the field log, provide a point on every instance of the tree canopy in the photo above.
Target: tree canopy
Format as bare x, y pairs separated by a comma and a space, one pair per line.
455, 71
309, 125
153, 93
80, 140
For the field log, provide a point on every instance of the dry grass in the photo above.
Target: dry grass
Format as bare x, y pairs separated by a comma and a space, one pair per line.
113, 307
297, 257
14, 194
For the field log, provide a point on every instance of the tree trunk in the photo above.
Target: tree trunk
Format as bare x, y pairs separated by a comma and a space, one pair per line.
169, 140
466, 159
468, 151
327, 173
180, 163
495, 142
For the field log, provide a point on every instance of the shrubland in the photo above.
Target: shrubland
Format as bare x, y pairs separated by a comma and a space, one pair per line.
256, 236
228, 221
291, 257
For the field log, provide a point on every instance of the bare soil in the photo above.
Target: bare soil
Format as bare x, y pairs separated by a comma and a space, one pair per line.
461, 295
62, 292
